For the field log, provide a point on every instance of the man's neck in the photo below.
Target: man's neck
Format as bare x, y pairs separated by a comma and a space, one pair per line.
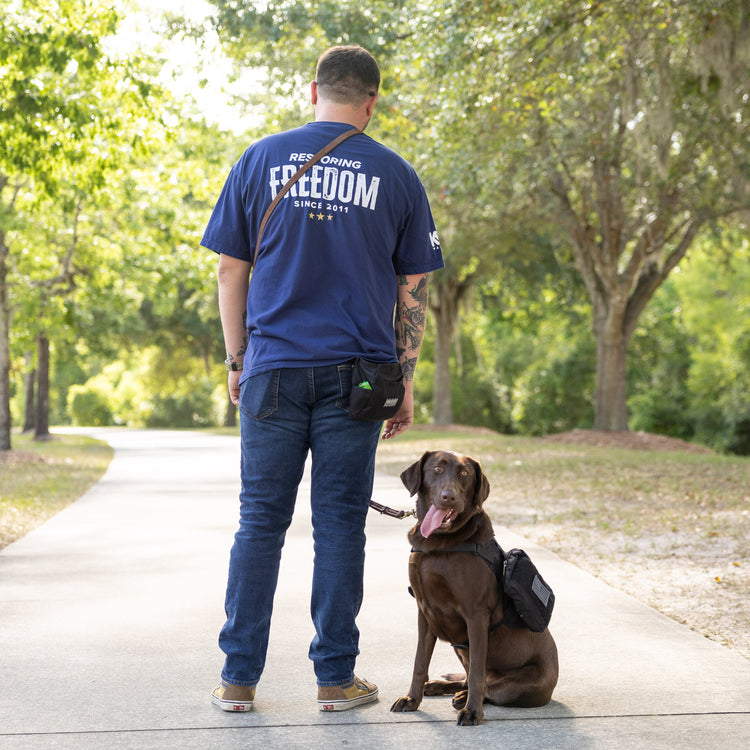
343, 114
329, 111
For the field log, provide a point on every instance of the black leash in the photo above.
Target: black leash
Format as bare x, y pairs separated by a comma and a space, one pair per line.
386, 511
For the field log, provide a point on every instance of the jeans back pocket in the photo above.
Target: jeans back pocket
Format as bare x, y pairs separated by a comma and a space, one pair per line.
260, 394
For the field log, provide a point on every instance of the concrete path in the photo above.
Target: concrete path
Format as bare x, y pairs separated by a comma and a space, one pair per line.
109, 615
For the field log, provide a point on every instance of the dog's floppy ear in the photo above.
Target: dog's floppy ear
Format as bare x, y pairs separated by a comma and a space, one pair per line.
482, 486
412, 477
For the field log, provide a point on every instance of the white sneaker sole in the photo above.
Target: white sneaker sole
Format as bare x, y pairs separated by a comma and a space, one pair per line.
231, 705
345, 705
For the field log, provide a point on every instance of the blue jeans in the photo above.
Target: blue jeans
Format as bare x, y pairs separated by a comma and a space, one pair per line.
283, 415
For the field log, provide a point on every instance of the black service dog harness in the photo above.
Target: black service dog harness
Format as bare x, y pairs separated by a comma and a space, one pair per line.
527, 599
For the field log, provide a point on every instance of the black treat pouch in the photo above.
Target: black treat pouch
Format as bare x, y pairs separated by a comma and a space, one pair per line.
377, 390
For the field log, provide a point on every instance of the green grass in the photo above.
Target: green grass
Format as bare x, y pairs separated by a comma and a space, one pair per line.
611, 489
39, 479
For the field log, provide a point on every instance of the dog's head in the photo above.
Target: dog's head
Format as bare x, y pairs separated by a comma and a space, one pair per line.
451, 489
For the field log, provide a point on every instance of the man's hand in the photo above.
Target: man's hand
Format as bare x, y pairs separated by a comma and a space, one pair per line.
404, 419
233, 382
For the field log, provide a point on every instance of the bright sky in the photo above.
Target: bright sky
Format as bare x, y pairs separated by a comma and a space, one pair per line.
189, 71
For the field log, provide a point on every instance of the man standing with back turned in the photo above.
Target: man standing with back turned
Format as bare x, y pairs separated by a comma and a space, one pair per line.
350, 242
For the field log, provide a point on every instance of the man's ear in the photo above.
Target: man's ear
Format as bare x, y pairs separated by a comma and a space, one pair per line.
371, 105
314, 92
412, 477
482, 484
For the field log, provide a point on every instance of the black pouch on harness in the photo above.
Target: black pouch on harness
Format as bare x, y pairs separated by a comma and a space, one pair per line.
529, 592
377, 390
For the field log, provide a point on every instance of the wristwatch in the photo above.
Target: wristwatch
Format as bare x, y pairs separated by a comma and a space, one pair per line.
233, 365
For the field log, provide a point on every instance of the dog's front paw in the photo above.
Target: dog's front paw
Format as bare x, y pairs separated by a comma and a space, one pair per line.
406, 703
468, 717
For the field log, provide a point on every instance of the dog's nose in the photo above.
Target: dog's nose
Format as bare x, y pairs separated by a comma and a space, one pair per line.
447, 496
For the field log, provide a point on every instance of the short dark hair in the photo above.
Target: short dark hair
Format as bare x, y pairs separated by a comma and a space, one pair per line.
347, 75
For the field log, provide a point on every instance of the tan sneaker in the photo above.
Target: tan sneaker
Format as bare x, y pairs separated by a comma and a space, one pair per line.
233, 697
344, 697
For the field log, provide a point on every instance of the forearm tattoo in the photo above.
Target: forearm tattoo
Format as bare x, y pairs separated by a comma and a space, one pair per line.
243, 347
410, 325
240, 353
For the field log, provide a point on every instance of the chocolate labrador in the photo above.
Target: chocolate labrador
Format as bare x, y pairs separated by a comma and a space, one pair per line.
460, 601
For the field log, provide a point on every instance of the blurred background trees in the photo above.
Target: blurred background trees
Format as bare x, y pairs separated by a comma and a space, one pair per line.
587, 164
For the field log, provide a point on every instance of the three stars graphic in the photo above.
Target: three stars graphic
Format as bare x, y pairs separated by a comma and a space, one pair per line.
319, 217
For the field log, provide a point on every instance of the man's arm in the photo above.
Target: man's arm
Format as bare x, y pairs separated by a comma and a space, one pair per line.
411, 314
234, 278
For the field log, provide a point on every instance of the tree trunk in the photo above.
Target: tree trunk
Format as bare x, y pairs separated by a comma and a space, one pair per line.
41, 430
29, 391
444, 298
230, 415
4, 349
610, 408
442, 399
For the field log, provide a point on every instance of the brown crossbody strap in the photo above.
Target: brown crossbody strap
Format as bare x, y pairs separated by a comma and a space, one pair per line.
285, 189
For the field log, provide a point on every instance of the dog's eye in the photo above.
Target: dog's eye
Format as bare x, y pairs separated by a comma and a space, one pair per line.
437, 469
464, 473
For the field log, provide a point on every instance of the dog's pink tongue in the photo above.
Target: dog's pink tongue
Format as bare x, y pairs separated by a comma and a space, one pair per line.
432, 520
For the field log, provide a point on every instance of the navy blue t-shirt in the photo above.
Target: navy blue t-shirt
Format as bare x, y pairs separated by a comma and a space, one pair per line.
325, 284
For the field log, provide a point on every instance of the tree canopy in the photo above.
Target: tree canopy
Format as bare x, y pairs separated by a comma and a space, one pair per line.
82, 133
577, 155
623, 125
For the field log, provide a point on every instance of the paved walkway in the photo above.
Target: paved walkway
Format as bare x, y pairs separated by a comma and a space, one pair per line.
109, 615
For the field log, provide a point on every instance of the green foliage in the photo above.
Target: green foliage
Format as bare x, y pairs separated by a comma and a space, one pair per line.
632, 112
658, 369
554, 393
104, 243
73, 118
57, 90
481, 400
191, 409
288, 35
620, 128
147, 390
424, 379
715, 290
89, 403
